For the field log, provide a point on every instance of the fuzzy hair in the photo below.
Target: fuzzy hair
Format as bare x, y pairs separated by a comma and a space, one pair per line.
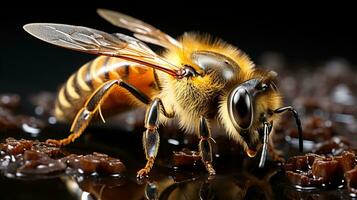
189, 98
269, 100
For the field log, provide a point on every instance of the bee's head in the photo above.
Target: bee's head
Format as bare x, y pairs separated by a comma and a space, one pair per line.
248, 105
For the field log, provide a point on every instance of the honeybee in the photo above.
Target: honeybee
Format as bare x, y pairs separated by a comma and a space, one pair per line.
197, 80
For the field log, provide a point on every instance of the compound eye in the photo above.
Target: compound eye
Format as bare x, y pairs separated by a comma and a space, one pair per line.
241, 108
264, 87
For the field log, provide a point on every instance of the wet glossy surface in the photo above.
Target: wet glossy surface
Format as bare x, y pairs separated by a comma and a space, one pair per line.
238, 176
325, 100
190, 181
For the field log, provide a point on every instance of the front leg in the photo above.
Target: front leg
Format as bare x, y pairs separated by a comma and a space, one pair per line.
205, 146
151, 137
268, 145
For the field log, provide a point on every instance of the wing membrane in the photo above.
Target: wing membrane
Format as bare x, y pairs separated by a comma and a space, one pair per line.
98, 42
142, 30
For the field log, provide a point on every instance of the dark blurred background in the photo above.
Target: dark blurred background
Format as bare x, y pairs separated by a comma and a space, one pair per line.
303, 34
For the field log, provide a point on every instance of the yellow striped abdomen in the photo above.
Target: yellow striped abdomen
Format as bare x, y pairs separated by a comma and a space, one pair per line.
78, 88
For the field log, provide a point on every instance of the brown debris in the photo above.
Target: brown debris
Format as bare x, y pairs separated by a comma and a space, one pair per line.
39, 163
34, 158
351, 179
15, 147
95, 162
185, 157
312, 170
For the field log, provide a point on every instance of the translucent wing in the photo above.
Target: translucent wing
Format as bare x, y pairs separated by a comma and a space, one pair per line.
142, 30
98, 42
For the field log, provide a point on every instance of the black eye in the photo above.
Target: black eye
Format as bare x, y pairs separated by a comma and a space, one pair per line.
240, 108
262, 87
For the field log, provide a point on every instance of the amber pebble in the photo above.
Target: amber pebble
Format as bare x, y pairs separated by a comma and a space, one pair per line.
95, 162
39, 163
346, 161
298, 170
33, 155
324, 168
14, 147
185, 157
299, 163
317, 170
83, 164
351, 178
49, 149
112, 166
303, 179
34, 158
88, 164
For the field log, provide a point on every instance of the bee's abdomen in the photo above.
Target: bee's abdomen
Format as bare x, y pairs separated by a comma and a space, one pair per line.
78, 88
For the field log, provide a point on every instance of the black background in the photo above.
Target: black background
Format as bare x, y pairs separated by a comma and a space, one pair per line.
302, 33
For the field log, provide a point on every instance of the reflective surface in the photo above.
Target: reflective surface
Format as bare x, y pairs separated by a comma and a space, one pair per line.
238, 176
325, 97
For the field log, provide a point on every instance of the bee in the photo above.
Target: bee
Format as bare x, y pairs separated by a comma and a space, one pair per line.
198, 80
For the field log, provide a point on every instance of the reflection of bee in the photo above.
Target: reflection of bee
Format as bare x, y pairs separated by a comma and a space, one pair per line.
197, 80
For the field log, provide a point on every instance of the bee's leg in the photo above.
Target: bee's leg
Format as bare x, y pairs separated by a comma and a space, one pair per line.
268, 146
151, 137
297, 121
276, 154
266, 131
205, 146
92, 105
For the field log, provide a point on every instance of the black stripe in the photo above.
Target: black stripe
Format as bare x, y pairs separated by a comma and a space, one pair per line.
157, 81
126, 71
76, 84
88, 77
106, 69
98, 96
137, 93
